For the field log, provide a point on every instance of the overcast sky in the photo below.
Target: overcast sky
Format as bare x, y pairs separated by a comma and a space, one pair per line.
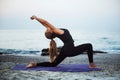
82, 15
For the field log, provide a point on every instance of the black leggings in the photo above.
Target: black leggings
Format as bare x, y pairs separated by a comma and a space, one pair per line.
70, 50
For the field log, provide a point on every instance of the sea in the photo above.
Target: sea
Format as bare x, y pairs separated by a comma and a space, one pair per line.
31, 42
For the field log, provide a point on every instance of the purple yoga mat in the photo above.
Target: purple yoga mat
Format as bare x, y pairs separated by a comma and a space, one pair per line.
60, 68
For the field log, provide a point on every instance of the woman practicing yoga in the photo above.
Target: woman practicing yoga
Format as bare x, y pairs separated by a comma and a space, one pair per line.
68, 50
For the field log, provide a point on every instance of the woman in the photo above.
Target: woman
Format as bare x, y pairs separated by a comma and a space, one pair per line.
68, 50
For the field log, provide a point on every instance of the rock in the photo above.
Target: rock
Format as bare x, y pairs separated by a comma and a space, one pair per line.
1, 53
99, 52
46, 53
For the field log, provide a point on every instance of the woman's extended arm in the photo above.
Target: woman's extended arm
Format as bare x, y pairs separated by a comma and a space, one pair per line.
48, 25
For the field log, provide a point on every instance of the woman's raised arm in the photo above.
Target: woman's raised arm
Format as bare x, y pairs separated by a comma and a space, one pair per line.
48, 25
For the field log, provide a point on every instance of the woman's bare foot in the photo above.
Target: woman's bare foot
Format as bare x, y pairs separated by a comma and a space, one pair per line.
92, 65
32, 64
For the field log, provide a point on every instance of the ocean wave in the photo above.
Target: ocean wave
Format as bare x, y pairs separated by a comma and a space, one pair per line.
32, 41
112, 41
16, 51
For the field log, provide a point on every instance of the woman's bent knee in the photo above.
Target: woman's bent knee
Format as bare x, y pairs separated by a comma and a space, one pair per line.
89, 45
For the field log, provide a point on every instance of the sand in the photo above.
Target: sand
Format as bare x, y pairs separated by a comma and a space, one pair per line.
110, 63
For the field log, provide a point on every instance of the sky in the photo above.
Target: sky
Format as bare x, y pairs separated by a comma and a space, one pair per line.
81, 15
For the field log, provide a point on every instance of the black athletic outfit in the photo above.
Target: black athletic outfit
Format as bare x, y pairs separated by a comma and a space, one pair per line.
69, 50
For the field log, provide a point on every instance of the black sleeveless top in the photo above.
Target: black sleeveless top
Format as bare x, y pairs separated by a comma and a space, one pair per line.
65, 37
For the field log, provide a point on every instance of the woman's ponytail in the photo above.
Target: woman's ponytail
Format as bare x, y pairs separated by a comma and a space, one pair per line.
53, 52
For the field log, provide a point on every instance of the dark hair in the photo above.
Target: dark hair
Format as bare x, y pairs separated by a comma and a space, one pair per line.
49, 35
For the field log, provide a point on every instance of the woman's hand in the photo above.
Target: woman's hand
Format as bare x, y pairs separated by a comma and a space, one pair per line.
33, 17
